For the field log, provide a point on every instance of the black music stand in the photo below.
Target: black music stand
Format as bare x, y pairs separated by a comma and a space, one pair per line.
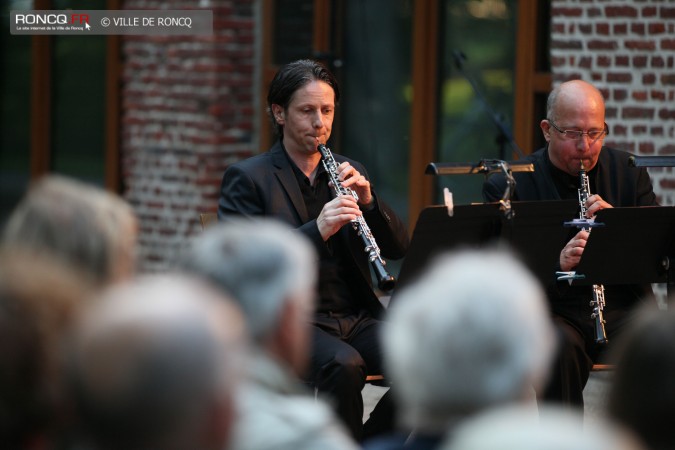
636, 245
536, 232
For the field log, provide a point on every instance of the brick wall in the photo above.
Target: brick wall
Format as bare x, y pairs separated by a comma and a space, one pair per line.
627, 48
187, 112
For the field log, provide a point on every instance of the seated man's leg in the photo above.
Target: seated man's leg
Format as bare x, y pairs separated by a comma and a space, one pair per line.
339, 371
571, 367
365, 338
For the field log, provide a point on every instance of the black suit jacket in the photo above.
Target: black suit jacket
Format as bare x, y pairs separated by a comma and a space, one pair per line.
265, 185
619, 185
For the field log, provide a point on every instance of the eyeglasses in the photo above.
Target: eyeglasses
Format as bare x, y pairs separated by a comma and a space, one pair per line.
576, 134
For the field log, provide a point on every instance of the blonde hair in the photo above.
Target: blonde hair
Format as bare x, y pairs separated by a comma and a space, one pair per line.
81, 225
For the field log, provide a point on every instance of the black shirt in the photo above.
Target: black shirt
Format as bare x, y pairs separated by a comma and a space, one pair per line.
335, 297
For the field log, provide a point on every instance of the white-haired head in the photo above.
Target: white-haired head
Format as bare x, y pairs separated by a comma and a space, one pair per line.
471, 332
262, 263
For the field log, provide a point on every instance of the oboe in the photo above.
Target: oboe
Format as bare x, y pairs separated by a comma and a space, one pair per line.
385, 281
598, 301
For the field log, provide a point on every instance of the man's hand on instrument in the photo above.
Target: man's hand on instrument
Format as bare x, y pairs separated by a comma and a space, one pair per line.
335, 214
351, 178
595, 203
571, 253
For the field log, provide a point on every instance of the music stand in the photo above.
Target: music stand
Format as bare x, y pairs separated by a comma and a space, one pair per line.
635, 246
536, 232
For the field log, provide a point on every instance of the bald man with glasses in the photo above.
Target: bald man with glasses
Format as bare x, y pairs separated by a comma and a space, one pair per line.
574, 130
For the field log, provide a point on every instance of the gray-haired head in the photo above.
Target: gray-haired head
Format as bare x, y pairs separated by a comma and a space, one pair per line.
261, 263
471, 332
153, 364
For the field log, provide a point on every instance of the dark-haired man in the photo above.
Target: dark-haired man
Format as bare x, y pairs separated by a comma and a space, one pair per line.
289, 183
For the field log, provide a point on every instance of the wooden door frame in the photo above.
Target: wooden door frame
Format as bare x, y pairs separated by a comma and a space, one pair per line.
41, 103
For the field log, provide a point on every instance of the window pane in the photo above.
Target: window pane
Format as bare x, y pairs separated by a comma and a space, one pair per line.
377, 93
484, 30
376, 89
15, 77
78, 111
292, 30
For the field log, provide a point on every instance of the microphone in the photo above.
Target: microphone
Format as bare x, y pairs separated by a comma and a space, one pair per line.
459, 57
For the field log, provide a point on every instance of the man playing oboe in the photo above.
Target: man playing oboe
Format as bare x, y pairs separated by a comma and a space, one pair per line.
290, 183
574, 129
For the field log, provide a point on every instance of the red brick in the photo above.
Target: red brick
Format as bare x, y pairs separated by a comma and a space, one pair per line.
639, 129
666, 114
637, 28
593, 12
667, 12
585, 28
646, 148
658, 61
597, 44
602, 29
566, 12
649, 11
619, 29
619, 94
640, 45
658, 95
619, 77
558, 44
621, 61
621, 11
619, 130
667, 44
657, 28
640, 96
586, 62
637, 113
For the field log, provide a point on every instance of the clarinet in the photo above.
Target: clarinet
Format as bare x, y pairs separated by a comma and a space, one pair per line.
598, 301
385, 281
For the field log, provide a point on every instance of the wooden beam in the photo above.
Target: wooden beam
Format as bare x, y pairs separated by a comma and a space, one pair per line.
113, 110
423, 132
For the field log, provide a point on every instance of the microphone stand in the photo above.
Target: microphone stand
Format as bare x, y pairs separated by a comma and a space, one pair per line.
504, 134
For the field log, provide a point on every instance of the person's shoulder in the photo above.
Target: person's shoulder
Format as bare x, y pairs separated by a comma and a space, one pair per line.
615, 156
252, 162
270, 419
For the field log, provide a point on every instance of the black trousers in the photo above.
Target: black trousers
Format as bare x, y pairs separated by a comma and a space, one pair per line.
577, 351
344, 350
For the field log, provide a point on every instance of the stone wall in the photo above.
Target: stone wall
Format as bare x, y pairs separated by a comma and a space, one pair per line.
627, 49
187, 112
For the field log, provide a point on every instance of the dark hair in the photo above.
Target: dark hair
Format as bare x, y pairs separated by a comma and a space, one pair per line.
292, 77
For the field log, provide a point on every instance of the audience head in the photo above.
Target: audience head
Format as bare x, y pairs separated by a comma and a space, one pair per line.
549, 428
152, 365
82, 226
271, 271
470, 333
39, 303
574, 105
642, 394
292, 77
